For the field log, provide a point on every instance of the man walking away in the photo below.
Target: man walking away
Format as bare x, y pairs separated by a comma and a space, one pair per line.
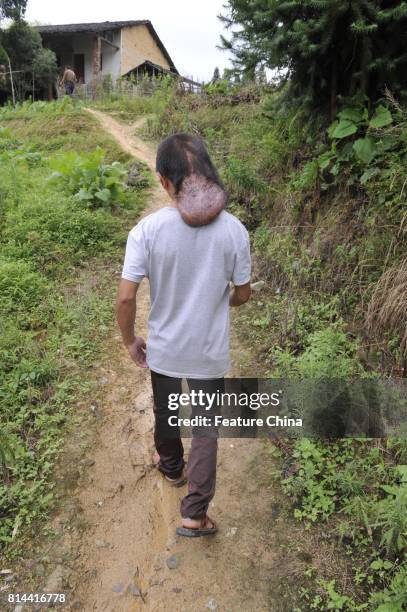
68, 81
190, 250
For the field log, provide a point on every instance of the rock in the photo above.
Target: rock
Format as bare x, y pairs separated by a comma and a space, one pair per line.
258, 286
104, 380
96, 412
172, 562
212, 605
102, 544
55, 581
134, 590
139, 408
39, 569
232, 531
118, 588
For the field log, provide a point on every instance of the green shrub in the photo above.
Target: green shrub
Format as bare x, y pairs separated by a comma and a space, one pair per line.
329, 353
89, 179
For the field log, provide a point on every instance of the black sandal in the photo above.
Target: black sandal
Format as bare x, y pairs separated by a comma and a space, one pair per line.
197, 532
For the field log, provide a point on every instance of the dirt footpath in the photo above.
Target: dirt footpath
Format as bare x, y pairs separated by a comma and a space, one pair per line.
129, 557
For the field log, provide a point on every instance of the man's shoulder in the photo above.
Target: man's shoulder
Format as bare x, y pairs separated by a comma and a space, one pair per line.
232, 222
152, 220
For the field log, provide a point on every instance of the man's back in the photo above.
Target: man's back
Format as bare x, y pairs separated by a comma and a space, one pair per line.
189, 269
69, 76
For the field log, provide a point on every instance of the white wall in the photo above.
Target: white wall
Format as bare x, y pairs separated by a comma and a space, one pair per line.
112, 57
84, 43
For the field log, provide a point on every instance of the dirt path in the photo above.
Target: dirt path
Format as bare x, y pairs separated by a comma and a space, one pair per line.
129, 558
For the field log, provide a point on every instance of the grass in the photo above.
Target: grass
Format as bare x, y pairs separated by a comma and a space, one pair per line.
58, 265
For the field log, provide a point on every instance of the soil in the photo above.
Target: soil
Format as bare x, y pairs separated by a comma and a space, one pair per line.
115, 546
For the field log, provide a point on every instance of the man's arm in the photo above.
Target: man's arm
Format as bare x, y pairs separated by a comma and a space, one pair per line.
126, 306
240, 294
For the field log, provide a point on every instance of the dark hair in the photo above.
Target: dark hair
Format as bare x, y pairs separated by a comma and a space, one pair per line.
181, 155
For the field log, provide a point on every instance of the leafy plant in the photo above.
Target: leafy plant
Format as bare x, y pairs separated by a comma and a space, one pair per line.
362, 150
89, 178
394, 597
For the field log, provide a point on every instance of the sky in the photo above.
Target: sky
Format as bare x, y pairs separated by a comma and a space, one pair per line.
189, 29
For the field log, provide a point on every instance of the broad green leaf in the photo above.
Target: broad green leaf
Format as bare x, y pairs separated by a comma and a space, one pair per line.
352, 114
103, 195
332, 128
365, 149
84, 194
344, 128
377, 564
387, 565
325, 159
381, 117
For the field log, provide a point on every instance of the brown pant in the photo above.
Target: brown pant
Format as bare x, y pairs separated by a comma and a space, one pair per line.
201, 469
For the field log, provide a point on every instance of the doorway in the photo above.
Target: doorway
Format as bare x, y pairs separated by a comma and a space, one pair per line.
79, 66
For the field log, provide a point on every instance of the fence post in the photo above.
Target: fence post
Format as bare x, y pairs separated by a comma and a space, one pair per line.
11, 81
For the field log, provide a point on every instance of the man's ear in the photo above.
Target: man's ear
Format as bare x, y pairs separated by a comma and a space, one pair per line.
163, 181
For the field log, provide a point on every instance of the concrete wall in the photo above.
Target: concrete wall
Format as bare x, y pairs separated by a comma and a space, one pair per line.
84, 43
138, 45
111, 57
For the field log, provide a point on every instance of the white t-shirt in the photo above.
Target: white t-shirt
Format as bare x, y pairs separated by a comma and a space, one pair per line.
189, 269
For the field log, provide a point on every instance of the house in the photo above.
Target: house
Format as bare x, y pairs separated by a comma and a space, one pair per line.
115, 48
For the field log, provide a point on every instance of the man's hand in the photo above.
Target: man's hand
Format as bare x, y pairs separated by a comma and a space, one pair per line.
126, 316
240, 294
137, 350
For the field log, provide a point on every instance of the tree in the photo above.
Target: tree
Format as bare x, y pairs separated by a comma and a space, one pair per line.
324, 48
32, 65
45, 68
12, 9
216, 75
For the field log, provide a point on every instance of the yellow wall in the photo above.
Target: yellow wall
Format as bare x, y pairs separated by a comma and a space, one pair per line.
137, 46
